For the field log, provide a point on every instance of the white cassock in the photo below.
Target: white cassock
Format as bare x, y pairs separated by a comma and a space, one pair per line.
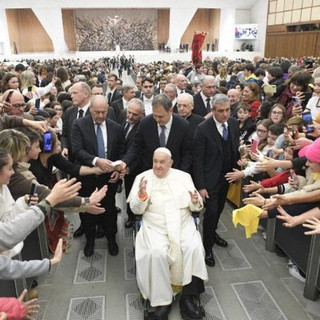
169, 248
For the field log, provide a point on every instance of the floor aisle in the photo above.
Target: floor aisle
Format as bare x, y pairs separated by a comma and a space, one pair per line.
246, 283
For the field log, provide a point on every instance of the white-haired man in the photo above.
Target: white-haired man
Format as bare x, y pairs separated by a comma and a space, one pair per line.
169, 249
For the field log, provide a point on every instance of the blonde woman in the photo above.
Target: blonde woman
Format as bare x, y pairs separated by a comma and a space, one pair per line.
28, 88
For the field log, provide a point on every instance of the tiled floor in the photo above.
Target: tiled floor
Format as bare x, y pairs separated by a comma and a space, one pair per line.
246, 283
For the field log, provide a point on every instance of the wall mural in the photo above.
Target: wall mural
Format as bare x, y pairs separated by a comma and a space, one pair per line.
103, 30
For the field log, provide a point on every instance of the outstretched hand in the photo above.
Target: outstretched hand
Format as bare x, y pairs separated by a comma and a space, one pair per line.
31, 306
313, 224
288, 220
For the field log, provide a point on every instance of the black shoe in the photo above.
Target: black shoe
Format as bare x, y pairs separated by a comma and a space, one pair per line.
189, 309
209, 259
113, 248
129, 223
79, 232
100, 232
161, 312
118, 210
219, 241
279, 252
89, 249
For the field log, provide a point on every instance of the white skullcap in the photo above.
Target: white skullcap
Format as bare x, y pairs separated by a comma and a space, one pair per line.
163, 150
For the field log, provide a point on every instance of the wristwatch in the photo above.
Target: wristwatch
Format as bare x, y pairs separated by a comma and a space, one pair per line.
86, 201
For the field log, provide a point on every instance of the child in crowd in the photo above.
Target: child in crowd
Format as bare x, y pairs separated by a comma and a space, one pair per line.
246, 124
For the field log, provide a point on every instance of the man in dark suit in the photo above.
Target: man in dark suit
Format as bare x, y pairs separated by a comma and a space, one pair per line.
181, 83
162, 84
80, 95
147, 95
203, 99
138, 84
185, 107
113, 93
98, 141
122, 103
97, 90
160, 129
134, 113
215, 152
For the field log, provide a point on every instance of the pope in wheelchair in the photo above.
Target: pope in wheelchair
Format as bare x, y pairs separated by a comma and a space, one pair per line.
169, 250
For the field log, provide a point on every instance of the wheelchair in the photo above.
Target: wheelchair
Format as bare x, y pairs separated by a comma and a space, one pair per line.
148, 310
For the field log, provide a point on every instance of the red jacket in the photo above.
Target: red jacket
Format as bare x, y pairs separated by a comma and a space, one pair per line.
14, 308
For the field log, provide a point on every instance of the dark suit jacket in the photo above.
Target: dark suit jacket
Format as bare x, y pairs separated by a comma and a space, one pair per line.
194, 120
68, 118
85, 148
115, 96
188, 91
84, 141
138, 94
146, 142
199, 106
128, 141
208, 157
117, 106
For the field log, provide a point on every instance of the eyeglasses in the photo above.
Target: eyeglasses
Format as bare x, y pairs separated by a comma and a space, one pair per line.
146, 87
262, 131
18, 105
277, 112
58, 109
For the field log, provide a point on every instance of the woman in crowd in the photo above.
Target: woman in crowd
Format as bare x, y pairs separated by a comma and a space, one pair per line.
294, 93
29, 90
223, 75
252, 96
277, 113
10, 81
57, 107
314, 103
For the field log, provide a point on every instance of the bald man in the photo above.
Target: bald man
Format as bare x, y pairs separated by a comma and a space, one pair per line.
169, 249
234, 97
98, 141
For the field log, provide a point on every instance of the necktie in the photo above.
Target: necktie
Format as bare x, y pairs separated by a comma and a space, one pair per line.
162, 136
100, 142
126, 129
208, 105
109, 98
224, 132
181, 91
80, 114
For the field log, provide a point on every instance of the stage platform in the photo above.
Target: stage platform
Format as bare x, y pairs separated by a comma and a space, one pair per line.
140, 56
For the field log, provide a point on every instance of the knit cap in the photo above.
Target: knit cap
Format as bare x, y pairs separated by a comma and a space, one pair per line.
312, 151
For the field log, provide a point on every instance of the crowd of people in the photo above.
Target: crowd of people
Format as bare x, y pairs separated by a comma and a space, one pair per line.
175, 140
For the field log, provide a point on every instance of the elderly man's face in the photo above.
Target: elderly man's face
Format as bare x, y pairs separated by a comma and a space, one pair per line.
234, 96
99, 109
185, 106
161, 164
209, 88
17, 104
